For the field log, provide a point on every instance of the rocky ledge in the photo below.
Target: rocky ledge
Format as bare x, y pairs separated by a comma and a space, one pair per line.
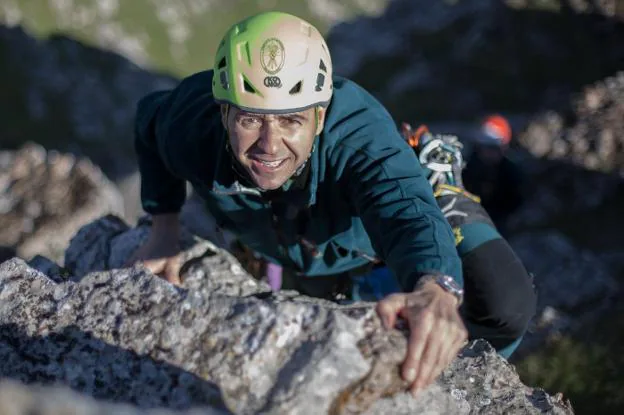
222, 343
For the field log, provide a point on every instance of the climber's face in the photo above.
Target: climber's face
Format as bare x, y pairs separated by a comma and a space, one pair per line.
271, 147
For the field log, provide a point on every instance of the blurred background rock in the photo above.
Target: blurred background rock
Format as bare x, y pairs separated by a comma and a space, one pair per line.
72, 71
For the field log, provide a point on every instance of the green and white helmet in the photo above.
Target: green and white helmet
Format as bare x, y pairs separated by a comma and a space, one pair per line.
273, 62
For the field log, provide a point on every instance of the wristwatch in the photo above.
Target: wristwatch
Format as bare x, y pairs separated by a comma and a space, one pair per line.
447, 283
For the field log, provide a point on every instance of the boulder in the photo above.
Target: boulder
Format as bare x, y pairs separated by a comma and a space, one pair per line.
124, 335
46, 196
451, 60
589, 134
574, 286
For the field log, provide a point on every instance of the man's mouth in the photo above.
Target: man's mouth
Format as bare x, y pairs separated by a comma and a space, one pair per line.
275, 163
267, 164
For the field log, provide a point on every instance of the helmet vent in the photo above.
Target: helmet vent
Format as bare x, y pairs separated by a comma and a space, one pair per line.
225, 84
222, 63
296, 88
248, 87
322, 66
320, 81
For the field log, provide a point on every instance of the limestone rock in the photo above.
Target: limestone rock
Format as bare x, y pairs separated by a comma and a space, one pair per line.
558, 188
127, 336
46, 196
19, 399
574, 285
590, 134
108, 243
450, 60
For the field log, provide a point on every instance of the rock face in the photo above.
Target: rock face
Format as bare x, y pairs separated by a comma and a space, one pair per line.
566, 232
223, 341
559, 188
71, 97
574, 285
590, 134
45, 197
447, 60
67, 96
19, 399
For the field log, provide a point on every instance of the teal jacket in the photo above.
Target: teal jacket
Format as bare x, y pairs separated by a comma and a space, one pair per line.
363, 194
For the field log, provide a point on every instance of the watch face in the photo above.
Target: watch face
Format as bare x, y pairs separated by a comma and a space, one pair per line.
447, 283
451, 285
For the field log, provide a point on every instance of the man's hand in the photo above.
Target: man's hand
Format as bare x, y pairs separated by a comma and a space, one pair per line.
436, 331
161, 254
161, 258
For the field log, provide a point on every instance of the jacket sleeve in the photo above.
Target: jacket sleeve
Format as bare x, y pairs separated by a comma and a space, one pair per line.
396, 203
161, 191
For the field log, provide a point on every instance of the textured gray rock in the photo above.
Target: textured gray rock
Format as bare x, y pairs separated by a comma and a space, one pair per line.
46, 196
127, 336
568, 277
108, 243
558, 187
590, 134
445, 60
73, 98
19, 399
574, 285
48, 267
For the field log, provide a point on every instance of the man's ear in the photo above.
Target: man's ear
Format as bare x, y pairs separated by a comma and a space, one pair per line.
320, 119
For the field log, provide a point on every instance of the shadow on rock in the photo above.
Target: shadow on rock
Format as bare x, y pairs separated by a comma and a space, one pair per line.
71, 97
581, 203
439, 61
76, 359
565, 235
6, 253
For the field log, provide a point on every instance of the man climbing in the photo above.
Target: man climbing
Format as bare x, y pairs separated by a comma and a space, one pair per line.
308, 170
492, 174
499, 294
499, 312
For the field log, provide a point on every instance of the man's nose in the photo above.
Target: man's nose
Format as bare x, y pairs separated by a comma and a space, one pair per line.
270, 139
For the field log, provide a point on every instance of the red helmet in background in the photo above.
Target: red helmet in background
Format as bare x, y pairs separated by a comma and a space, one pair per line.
496, 130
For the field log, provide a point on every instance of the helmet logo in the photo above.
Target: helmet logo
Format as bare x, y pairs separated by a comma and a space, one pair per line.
272, 56
272, 82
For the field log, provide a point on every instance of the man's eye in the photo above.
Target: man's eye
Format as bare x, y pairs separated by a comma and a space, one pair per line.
291, 122
250, 121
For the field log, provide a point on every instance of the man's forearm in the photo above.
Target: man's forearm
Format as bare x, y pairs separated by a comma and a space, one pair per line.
166, 221
166, 224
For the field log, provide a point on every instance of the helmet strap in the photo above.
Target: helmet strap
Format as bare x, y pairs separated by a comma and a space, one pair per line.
226, 116
317, 120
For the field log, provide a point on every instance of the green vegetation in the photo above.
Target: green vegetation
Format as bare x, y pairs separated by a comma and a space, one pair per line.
588, 369
152, 25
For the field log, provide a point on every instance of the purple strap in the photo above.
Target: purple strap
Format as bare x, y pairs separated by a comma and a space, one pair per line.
274, 275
